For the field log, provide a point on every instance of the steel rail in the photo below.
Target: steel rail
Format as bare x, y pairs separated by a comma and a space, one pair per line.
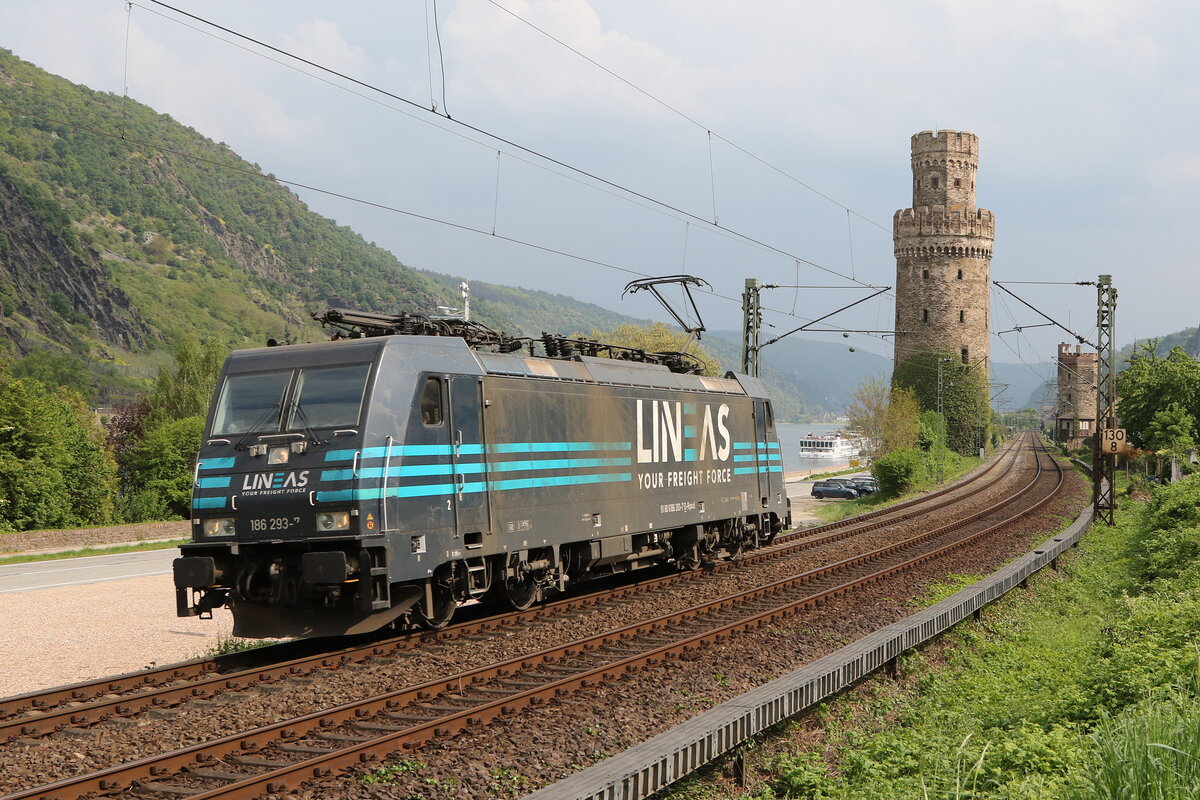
206, 678
121, 777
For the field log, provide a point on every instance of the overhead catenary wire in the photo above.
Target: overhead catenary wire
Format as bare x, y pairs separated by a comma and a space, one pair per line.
624, 191
429, 59
437, 32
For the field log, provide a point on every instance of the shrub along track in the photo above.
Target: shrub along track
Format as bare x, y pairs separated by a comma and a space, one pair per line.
277, 756
122, 696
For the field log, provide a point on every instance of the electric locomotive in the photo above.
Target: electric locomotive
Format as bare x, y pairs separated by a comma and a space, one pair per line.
416, 464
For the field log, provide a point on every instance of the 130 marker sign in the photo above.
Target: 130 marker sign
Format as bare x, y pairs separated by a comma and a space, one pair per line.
1113, 441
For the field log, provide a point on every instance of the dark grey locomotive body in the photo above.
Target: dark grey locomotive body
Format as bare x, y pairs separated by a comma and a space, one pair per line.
344, 485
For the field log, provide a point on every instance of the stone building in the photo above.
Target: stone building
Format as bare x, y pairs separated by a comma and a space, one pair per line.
1075, 409
943, 247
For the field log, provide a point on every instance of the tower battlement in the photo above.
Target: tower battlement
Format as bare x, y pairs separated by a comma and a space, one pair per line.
942, 221
944, 164
958, 143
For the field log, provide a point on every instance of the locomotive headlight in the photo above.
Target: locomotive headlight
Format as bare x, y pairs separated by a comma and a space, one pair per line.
219, 527
278, 455
333, 521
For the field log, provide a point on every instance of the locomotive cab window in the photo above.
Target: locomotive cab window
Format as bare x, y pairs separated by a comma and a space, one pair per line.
251, 403
326, 397
431, 402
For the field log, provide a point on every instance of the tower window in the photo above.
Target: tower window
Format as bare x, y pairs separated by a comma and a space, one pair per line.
924, 315
935, 183
962, 316
960, 274
924, 273
958, 183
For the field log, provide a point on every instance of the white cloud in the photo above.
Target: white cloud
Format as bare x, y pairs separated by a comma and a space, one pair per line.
321, 41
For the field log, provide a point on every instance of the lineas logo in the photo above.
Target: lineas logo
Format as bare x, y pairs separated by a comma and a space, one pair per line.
664, 435
274, 480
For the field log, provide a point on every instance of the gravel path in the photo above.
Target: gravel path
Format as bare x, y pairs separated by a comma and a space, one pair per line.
49, 637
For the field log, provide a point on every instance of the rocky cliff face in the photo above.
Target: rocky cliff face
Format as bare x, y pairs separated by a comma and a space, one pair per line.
46, 287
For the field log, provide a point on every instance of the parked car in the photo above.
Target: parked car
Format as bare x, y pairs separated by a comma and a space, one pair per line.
833, 488
865, 485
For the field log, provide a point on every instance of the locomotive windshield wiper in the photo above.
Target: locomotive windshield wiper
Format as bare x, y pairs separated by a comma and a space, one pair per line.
258, 423
306, 426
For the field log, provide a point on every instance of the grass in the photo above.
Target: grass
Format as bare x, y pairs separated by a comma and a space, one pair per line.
91, 551
232, 644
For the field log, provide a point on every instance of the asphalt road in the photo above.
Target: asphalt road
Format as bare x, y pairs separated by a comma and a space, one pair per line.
90, 569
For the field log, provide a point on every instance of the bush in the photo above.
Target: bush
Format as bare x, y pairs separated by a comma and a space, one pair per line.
1170, 539
898, 471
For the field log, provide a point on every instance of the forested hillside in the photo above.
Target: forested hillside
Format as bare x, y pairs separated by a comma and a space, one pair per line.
123, 233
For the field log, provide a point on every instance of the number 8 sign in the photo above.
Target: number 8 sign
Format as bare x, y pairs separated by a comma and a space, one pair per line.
1113, 441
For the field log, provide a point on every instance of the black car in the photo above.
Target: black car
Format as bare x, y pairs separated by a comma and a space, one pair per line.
833, 488
865, 485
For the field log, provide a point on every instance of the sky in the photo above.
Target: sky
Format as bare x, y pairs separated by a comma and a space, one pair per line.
787, 124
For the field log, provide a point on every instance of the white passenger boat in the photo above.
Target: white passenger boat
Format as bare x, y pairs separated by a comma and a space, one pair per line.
833, 446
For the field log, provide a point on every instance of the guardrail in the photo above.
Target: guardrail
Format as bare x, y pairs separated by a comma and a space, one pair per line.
653, 765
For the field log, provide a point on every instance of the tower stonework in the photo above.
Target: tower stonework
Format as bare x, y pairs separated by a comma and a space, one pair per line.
1075, 411
943, 247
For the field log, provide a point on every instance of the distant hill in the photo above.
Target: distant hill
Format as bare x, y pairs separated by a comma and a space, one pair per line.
1188, 339
122, 230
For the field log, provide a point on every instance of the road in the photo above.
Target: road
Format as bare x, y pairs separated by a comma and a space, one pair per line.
89, 569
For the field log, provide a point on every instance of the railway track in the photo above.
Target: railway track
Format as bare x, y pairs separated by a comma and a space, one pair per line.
41, 713
278, 757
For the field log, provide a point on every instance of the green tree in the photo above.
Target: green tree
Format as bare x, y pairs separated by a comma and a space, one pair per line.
56, 369
888, 419
1171, 433
160, 469
1152, 383
658, 338
187, 388
903, 420
53, 471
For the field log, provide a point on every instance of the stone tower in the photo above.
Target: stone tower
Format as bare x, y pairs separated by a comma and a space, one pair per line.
1075, 411
943, 248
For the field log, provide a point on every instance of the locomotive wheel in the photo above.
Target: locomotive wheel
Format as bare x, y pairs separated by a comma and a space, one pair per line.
520, 594
444, 606
689, 557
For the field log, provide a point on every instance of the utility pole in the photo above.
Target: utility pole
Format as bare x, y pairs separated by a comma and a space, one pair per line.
941, 420
1104, 465
751, 325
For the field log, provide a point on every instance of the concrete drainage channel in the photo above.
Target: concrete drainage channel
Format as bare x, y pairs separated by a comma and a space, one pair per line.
658, 762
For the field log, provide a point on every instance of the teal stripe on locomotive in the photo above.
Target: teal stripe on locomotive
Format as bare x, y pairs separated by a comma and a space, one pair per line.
209, 502
474, 468
433, 489
405, 450
753, 470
